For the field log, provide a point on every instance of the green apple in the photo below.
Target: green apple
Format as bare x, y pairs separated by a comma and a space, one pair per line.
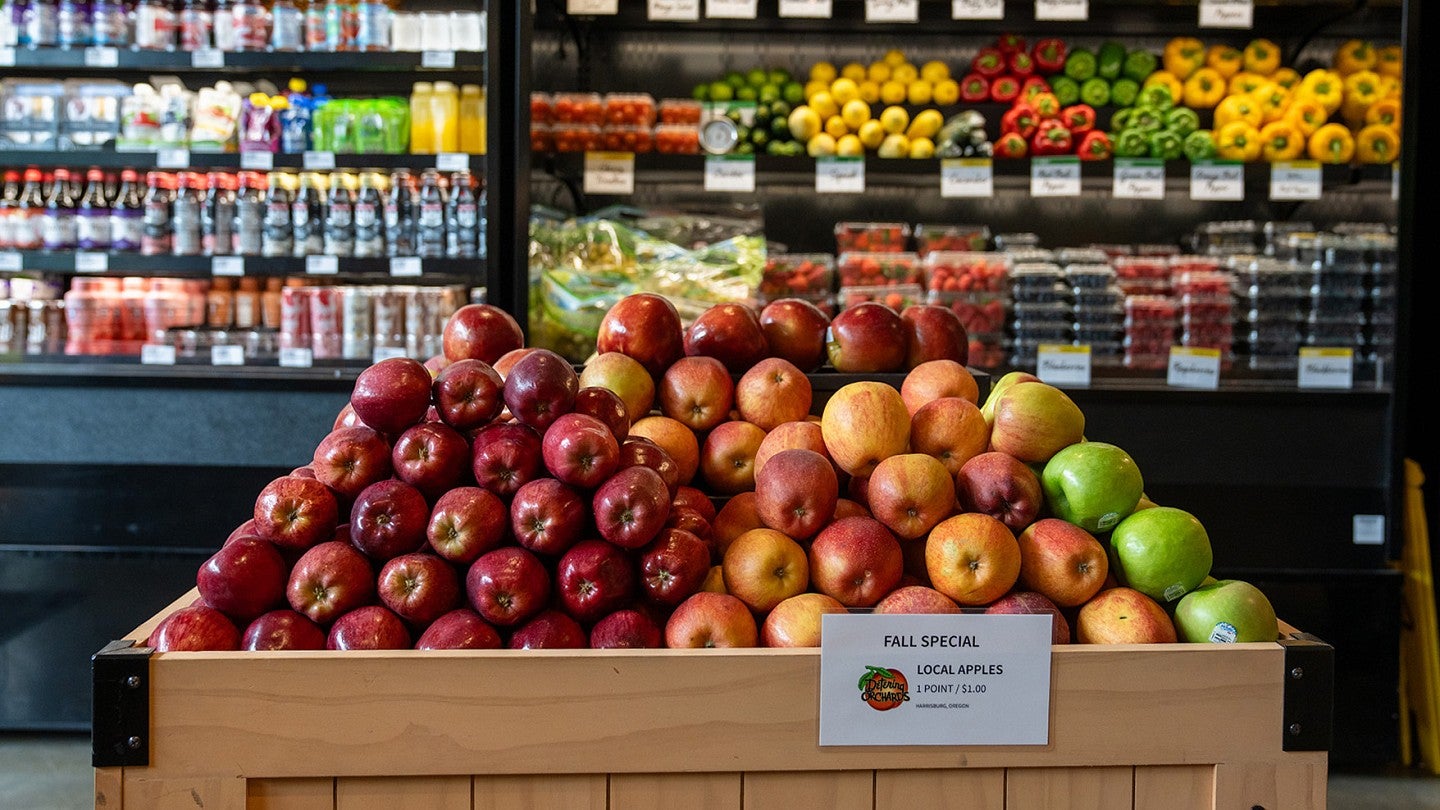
1228, 611
998, 387
1093, 485
1162, 552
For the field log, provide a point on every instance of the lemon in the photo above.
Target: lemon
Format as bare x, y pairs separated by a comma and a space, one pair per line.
824, 105
922, 148
844, 90
894, 120
870, 92
892, 92
854, 71
804, 123
821, 145
855, 112
934, 71
822, 72
878, 72
895, 146
925, 124
835, 126
811, 88
919, 93
849, 146
947, 92
905, 73
894, 57
872, 134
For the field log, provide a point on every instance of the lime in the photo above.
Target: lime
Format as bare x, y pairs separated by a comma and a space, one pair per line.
770, 93
744, 148
775, 148
759, 137
735, 79
779, 76
701, 92
793, 93
720, 91
780, 109
757, 77
747, 93
779, 127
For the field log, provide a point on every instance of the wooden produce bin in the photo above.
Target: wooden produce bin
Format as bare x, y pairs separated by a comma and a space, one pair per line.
1170, 727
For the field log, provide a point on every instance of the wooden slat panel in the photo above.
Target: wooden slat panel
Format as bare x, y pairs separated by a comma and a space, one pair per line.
290, 794
1296, 784
835, 790
109, 788
1069, 788
979, 789
692, 791
209, 792
403, 793
1175, 787
540, 792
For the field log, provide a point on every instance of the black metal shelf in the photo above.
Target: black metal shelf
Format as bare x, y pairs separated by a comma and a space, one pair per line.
111, 59
432, 271
185, 159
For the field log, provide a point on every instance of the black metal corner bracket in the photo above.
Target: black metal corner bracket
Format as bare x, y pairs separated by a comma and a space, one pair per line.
1308, 720
120, 706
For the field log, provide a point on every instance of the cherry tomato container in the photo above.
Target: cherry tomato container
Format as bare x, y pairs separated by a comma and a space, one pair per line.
637, 109
677, 139
627, 138
895, 296
931, 238
681, 111
876, 237
578, 108
792, 275
542, 108
575, 137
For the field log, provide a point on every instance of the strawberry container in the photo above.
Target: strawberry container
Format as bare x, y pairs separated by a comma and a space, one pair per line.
1142, 274
931, 238
895, 296
1113, 251
635, 109
981, 313
862, 269
967, 271
797, 275
677, 139
1190, 263
681, 111
577, 108
875, 237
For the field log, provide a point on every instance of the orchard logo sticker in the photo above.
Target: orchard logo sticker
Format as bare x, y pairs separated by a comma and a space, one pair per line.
883, 689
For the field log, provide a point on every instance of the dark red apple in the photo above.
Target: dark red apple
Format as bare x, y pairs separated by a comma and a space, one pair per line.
867, 338
551, 630
294, 512
645, 327
626, 630
631, 507
508, 360
243, 579
605, 405
856, 561
346, 418
697, 500
541, 388
505, 457
431, 457
389, 519
688, 520
796, 492
350, 459
644, 453
468, 394
194, 628
580, 450
697, 392
392, 395
507, 586
368, 628
460, 629
328, 580
481, 332
548, 517
935, 333
1000, 486
795, 330
467, 522
283, 630
304, 472
1031, 602
594, 579
729, 333
419, 588
674, 566
246, 529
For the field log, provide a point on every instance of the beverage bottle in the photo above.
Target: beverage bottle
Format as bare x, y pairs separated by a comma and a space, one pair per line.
297, 119
339, 218
195, 24
430, 224
127, 214
92, 224
110, 23
287, 27
185, 216
340, 23
462, 218
472, 119
223, 26
11, 20
73, 24
249, 215
40, 24
484, 209
422, 119
369, 218
57, 226
9, 200
252, 26
217, 216
307, 218
400, 216
445, 114
314, 25
277, 236
157, 236
29, 208
155, 25
372, 26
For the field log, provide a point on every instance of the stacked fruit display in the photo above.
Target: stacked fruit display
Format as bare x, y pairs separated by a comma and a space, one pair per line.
839, 116
520, 504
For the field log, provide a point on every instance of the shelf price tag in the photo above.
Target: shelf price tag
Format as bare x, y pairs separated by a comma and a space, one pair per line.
730, 173
452, 162
438, 60
1367, 530
12, 262
1055, 177
1227, 13
1326, 368
1217, 180
676, 10
172, 159
905, 11
840, 175
934, 680
257, 161
296, 357
102, 57
1063, 364
731, 9
405, 266
592, 6
1192, 367
207, 58
227, 355
812, 9
323, 161
977, 9
227, 266
157, 354
91, 262
322, 265
1295, 180
386, 353
967, 177
1062, 10
1395, 180
7, 57
1139, 179
609, 173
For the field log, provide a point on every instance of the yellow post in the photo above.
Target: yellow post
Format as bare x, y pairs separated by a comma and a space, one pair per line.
1419, 635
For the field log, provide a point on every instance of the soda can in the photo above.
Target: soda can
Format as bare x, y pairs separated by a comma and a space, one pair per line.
294, 318
357, 337
389, 318
417, 320
325, 322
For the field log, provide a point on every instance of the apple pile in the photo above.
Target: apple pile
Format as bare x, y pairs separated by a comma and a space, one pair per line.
493, 497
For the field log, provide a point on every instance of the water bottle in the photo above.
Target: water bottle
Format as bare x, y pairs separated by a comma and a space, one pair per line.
462, 219
400, 216
369, 219
430, 224
339, 219
277, 237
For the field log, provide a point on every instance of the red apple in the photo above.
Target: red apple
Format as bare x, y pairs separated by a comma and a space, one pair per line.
626, 377
916, 599
294, 512
368, 628
739, 515
346, 418
795, 331
508, 360
631, 507
856, 560
548, 517
243, 579
580, 450
674, 566
1029, 602
729, 333
505, 457
624, 630
697, 392
935, 333
972, 558
1124, 616
697, 500
246, 529
998, 485
708, 620
436, 364
282, 630
727, 459
865, 423
350, 459
465, 523
796, 621
790, 436
481, 332
419, 588
541, 388
392, 394
867, 338
460, 629
551, 630
772, 393
605, 405
389, 519
593, 580
638, 452
194, 628
679, 441
845, 507
507, 586
937, 379
686, 519
1062, 562
645, 327
951, 429
911, 493
328, 580
468, 394
763, 568
796, 492
431, 457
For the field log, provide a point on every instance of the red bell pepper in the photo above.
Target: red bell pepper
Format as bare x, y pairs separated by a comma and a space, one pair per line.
1020, 119
1010, 43
1004, 89
1033, 85
1045, 105
989, 62
1052, 138
1095, 146
1021, 64
1080, 118
1049, 55
1011, 145
974, 87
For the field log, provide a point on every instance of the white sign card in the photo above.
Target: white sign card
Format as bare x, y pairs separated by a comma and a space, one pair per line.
730, 173
1227, 13
1217, 180
322, 265
172, 158
227, 355
1367, 530
811, 9
1063, 364
905, 11
977, 9
296, 357
438, 60
452, 162
157, 354
318, 160
965, 679
1192, 367
91, 262
1062, 10
674, 10
227, 266
731, 9
609, 173
257, 161
1055, 177
967, 177
11, 261
7, 57
207, 58
1295, 180
1139, 179
102, 57
592, 6
1326, 367
405, 266
840, 175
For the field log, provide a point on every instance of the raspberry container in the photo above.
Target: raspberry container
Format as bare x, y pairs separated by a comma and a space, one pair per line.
1142, 274
1156, 250
681, 111
960, 272
635, 109
577, 108
895, 296
875, 237
677, 139
871, 269
931, 238
981, 313
1191, 263
790, 275
575, 137
627, 138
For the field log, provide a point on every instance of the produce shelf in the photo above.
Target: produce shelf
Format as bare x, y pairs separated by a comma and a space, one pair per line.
432, 271
110, 59
181, 160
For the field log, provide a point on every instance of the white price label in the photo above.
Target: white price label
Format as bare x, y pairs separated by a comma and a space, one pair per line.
674, 10
438, 60
977, 9
405, 266
1326, 368
257, 161
1062, 364
207, 58
970, 679
1055, 177
1395, 180
452, 162
321, 161
811, 9
10, 261
1367, 530
1192, 367
1295, 180
157, 354
1227, 13
296, 357
905, 11
592, 6
172, 158
91, 262
731, 9
609, 173
730, 173
227, 266
7, 57
227, 355
1062, 10
102, 57
1137, 179
386, 353
967, 177
322, 265
1217, 180
840, 175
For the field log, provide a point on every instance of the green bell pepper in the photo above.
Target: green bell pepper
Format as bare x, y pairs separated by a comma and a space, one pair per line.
1183, 120
1080, 65
1131, 143
1124, 92
1146, 119
1139, 65
1120, 119
1166, 145
1095, 92
1110, 61
1200, 145
1157, 96
1066, 89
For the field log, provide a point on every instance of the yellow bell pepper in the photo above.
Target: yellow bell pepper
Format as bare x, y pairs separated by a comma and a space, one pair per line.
1353, 56
1389, 87
1237, 140
1167, 80
1385, 111
1204, 89
1262, 56
1183, 56
1244, 82
1325, 87
1377, 143
1225, 58
1280, 140
1361, 90
1332, 143
1286, 77
1307, 115
1240, 107
1274, 101
1389, 61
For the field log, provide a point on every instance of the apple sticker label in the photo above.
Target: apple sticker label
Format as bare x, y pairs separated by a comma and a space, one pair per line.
1174, 592
1223, 633
1107, 521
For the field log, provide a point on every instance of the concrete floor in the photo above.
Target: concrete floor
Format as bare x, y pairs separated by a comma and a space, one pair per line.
52, 772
